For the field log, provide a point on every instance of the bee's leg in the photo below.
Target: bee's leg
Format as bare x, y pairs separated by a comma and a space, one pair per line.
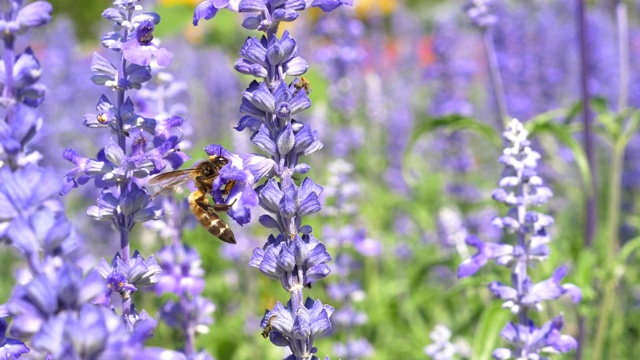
228, 186
222, 207
203, 183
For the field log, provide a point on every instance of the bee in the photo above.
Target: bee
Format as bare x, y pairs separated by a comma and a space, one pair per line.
202, 176
302, 83
267, 328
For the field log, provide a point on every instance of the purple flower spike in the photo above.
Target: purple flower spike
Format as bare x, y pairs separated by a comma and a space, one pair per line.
139, 272
521, 189
291, 255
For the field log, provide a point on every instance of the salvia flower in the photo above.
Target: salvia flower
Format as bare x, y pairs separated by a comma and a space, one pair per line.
531, 341
298, 329
271, 12
522, 190
143, 143
10, 348
140, 49
291, 255
47, 294
182, 271
442, 348
121, 277
195, 314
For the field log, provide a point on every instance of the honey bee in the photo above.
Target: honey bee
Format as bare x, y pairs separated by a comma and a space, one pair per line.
202, 176
302, 83
267, 328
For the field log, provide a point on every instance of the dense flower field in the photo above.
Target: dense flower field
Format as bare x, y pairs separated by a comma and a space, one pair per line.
319, 179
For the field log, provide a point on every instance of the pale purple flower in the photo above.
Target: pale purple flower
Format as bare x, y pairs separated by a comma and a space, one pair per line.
10, 348
182, 271
49, 293
532, 341
141, 50
442, 348
298, 329
522, 189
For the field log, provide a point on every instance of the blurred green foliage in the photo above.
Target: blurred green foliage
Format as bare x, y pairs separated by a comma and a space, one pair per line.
85, 15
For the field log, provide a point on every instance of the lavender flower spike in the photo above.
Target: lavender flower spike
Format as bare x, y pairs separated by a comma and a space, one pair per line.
522, 189
291, 255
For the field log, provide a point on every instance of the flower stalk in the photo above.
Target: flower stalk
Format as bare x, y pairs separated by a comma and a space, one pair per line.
291, 255
522, 189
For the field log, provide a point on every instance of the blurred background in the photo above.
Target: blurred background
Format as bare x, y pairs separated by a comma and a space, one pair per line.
403, 187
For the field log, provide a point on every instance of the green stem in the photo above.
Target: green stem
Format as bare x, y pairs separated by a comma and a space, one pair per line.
611, 248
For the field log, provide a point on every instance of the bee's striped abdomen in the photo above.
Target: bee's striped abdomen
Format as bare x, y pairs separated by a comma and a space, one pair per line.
205, 213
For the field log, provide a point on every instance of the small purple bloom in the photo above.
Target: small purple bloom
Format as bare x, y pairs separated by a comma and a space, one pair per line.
244, 172
125, 209
329, 5
532, 340
140, 49
501, 253
49, 293
10, 348
283, 261
124, 278
208, 9
182, 271
354, 349
310, 322
188, 314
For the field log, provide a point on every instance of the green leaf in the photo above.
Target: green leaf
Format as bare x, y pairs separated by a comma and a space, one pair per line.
627, 249
453, 123
487, 334
562, 133
599, 105
448, 123
631, 129
572, 113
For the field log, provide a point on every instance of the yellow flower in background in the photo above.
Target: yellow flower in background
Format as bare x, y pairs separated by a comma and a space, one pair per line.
366, 7
179, 2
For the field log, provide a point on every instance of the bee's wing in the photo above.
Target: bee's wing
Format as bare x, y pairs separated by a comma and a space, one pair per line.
170, 180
